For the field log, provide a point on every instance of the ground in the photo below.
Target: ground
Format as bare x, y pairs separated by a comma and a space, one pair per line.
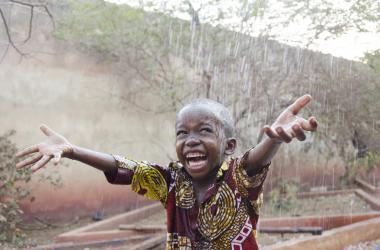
43, 232
338, 204
368, 245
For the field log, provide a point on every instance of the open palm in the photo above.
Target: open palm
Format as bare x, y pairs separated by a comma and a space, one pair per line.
54, 147
289, 125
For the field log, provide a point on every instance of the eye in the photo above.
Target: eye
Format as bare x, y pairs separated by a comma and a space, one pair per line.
181, 132
206, 130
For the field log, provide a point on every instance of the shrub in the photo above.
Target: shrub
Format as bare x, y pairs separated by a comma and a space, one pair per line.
12, 190
283, 196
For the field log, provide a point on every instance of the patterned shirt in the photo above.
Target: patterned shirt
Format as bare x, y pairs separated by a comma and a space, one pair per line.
225, 219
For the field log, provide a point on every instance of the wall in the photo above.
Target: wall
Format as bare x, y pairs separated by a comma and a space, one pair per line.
77, 96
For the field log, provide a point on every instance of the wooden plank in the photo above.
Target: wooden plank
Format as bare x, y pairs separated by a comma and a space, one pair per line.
365, 185
305, 195
371, 200
95, 244
113, 222
325, 221
137, 227
152, 242
336, 239
293, 230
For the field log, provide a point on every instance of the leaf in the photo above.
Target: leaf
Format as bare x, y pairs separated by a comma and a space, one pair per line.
3, 219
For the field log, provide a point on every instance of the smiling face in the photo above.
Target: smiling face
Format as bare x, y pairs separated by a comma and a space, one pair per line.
201, 143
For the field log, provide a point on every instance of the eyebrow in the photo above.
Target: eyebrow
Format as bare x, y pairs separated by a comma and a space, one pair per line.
207, 124
180, 125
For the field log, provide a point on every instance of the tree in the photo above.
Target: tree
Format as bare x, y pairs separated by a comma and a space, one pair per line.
33, 7
177, 60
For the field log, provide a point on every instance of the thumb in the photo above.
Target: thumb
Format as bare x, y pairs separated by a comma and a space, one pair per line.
57, 157
46, 130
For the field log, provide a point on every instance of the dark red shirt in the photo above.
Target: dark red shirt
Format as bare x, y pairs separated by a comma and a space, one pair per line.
227, 217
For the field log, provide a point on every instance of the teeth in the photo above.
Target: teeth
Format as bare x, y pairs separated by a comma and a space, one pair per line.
196, 154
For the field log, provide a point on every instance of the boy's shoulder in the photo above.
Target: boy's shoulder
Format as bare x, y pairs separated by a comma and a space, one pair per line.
174, 166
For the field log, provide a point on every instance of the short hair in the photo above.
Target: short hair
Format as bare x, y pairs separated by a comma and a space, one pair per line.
220, 112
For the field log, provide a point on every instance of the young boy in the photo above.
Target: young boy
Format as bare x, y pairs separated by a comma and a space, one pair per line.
211, 202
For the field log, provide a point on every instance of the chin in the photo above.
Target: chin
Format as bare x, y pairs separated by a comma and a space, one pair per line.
196, 175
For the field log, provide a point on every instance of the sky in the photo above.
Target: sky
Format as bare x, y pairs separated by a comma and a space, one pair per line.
352, 45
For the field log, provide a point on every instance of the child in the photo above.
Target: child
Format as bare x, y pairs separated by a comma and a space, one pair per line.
211, 202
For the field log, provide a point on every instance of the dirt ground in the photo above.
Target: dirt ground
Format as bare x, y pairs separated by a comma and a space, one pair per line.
368, 245
40, 232
338, 204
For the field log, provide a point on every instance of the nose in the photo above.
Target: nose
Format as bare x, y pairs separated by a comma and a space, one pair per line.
192, 141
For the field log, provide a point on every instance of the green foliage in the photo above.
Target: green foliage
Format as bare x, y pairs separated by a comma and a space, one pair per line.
373, 60
99, 26
329, 19
370, 161
356, 166
284, 195
12, 190
175, 61
160, 51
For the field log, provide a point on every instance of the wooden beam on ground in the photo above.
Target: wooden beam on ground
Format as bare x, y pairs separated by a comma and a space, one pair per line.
142, 227
306, 195
365, 185
325, 221
335, 239
114, 243
97, 236
107, 226
150, 243
370, 199
291, 230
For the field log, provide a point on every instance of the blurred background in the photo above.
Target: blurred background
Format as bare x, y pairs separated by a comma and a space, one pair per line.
110, 76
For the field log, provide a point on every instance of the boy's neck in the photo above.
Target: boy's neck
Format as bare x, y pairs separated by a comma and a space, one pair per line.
203, 185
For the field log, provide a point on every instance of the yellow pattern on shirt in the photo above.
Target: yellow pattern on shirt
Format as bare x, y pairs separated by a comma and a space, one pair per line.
149, 180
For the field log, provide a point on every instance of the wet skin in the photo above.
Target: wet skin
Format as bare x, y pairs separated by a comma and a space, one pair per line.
201, 143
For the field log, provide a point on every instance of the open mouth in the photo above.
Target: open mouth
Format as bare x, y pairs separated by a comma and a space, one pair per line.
196, 160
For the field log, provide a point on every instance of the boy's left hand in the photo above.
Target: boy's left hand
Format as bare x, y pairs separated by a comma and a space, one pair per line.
288, 125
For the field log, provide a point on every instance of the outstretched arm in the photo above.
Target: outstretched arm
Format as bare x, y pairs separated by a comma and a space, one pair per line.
287, 126
55, 147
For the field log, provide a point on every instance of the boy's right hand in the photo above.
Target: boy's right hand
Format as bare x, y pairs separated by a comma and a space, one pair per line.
54, 147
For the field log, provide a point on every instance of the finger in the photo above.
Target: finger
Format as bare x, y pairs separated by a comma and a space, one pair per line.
32, 149
46, 130
309, 125
283, 135
299, 104
29, 161
270, 132
298, 132
57, 158
313, 122
45, 159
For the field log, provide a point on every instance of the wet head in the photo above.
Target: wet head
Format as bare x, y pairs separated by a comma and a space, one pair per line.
204, 137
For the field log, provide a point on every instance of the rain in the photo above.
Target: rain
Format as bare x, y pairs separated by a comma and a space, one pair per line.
112, 75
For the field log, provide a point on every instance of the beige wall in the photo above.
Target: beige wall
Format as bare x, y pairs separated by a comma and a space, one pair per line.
74, 95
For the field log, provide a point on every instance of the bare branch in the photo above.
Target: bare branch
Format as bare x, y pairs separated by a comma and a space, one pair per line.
32, 7
8, 33
5, 52
30, 24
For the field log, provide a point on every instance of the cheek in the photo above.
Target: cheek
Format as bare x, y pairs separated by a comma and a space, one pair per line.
178, 148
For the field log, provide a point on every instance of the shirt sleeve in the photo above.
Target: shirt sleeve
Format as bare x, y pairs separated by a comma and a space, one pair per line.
251, 186
147, 179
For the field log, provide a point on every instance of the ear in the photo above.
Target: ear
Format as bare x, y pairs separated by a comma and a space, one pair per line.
230, 146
